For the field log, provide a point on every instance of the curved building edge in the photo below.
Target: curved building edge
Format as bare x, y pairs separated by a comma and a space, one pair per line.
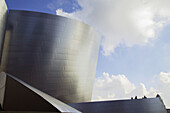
3, 18
54, 54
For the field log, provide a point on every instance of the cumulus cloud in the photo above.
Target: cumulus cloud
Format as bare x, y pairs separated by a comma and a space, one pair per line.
110, 87
123, 21
164, 87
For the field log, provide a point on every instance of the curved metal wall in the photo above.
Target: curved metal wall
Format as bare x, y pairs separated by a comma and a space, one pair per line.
3, 17
52, 53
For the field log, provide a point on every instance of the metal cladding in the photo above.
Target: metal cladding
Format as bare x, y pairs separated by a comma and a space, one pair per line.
20, 96
148, 105
3, 17
54, 54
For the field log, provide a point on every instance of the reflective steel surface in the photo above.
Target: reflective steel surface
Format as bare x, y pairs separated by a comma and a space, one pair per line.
2, 89
54, 54
3, 17
20, 96
149, 105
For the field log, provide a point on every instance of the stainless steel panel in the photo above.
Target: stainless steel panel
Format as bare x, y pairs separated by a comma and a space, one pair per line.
2, 89
54, 54
3, 17
20, 96
150, 105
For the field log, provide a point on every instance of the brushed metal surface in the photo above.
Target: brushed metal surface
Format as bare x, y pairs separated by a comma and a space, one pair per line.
54, 54
20, 96
149, 105
2, 89
3, 17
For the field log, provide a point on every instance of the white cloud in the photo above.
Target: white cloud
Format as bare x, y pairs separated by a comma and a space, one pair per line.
110, 87
164, 87
123, 21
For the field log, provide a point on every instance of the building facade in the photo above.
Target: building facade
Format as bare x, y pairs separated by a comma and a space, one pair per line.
54, 54
3, 18
48, 64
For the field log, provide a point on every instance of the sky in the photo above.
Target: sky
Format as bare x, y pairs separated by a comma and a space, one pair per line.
134, 51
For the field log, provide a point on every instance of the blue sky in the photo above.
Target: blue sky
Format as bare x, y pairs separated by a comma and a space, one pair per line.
136, 46
42, 5
139, 63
